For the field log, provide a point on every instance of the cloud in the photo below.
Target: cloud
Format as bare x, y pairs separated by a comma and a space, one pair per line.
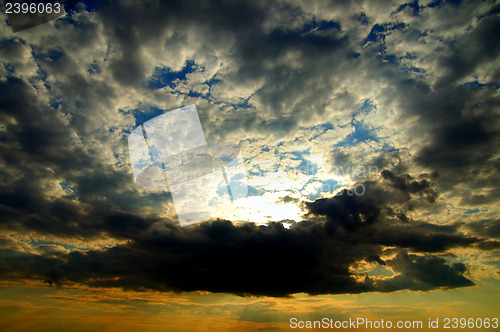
424, 273
409, 90
314, 256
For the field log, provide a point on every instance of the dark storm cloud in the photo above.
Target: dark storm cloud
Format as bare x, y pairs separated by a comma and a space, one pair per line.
479, 46
408, 184
462, 119
366, 217
464, 146
423, 273
313, 256
486, 228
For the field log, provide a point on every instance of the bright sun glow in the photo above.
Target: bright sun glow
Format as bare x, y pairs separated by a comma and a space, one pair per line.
264, 208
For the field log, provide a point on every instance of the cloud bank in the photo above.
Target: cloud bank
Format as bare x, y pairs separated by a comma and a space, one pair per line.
408, 88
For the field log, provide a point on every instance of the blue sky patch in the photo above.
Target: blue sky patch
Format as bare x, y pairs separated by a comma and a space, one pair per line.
380, 31
360, 134
165, 76
69, 188
254, 191
474, 84
474, 211
94, 68
438, 3
320, 26
320, 130
413, 7
390, 58
9, 68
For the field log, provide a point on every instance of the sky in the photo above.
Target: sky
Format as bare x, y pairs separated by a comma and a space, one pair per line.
369, 132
